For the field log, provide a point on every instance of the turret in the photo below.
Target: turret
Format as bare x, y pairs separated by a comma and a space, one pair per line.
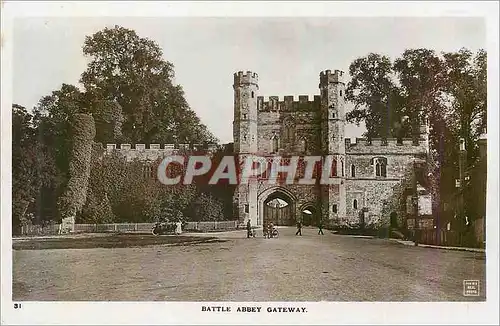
332, 92
245, 141
245, 111
241, 78
326, 77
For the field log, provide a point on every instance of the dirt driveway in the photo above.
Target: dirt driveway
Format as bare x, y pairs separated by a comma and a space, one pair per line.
289, 268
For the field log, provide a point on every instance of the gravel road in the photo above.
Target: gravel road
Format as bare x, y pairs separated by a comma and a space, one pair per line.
288, 268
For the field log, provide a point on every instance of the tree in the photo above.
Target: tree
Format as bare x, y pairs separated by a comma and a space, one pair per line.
420, 75
51, 123
466, 86
206, 208
374, 94
23, 174
33, 168
52, 116
130, 71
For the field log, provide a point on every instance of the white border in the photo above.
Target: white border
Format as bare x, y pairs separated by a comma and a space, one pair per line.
190, 313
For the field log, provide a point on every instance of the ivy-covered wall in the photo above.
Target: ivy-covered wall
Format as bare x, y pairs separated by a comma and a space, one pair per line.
75, 195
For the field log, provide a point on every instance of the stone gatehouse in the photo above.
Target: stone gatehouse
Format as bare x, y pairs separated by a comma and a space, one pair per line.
368, 173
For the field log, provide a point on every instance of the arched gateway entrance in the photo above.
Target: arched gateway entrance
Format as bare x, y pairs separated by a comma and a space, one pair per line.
309, 215
277, 206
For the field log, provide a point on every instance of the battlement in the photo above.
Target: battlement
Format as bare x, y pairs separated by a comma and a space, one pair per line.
246, 78
327, 77
159, 147
391, 146
288, 103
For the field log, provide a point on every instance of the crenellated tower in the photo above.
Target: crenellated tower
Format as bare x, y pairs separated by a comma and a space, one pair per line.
245, 112
245, 140
332, 92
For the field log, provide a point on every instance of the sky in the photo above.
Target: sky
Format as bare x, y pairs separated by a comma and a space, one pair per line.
287, 53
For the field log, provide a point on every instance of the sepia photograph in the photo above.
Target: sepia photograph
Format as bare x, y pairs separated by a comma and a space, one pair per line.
249, 167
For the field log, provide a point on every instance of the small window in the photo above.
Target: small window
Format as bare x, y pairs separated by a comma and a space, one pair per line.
340, 93
334, 116
334, 208
274, 144
254, 95
244, 116
353, 171
264, 168
333, 171
342, 167
355, 204
247, 209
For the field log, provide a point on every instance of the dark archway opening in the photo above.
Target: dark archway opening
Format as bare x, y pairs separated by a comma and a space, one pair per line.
309, 216
394, 220
279, 209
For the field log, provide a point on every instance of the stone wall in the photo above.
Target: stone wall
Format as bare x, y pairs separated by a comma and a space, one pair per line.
377, 146
370, 195
374, 192
301, 136
289, 103
152, 152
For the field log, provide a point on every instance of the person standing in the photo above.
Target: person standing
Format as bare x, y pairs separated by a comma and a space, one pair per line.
249, 228
320, 227
178, 227
299, 228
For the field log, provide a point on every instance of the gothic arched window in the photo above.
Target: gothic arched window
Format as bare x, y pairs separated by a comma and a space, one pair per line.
333, 171
353, 171
264, 168
274, 143
355, 204
289, 130
380, 167
342, 167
